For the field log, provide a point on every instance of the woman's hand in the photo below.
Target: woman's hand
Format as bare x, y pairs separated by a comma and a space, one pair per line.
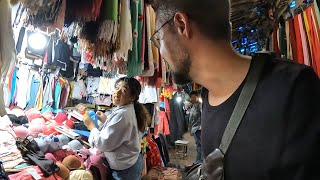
88, 122
101, 116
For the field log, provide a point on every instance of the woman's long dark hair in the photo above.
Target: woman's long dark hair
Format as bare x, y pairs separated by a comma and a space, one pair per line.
143, 116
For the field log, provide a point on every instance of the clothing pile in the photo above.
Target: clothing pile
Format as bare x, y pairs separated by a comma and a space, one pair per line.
37, 147
48, 145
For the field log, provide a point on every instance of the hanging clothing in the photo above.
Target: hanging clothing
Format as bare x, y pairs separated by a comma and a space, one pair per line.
275, 41
293, 42
57, 94
34, 88
304, 39
48, 92
177, 119
308, 35
317, 13
14, 85
298, 37
134, 61
39, 99
314, 39
125, 37
22, 79
109, 15
163, 126
315, 22
153, 155
64, 95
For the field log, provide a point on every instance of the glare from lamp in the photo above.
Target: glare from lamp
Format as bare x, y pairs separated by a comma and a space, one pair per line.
37, 41
179, 99
200, 100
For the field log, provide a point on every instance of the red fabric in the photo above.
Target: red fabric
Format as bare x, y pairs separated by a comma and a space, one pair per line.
96, 7
300, 57
315, 48
293, 40
318, 25
153, 155
24, 175
61, 154
275, 41
60, 118
163, 126
10, 78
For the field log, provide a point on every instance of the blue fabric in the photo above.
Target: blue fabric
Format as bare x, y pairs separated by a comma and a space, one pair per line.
13, 86
34, 88
45, 109
57, 93
94, 117
132, 173
197, 139
83, 133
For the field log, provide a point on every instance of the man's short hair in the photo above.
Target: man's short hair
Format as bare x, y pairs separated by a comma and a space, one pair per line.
194, 93
211, 16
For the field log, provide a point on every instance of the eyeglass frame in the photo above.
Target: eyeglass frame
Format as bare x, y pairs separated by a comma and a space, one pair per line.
153, 39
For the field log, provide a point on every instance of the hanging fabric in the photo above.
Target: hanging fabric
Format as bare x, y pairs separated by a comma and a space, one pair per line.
289, 47
109, 15
150, 58
293, 43
316, 9
304, 39
298, 37
134, 61
125, 37
315, 22
314, 39
275, 41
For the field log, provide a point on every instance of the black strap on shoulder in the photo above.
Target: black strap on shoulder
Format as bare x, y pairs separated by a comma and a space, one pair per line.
244, 100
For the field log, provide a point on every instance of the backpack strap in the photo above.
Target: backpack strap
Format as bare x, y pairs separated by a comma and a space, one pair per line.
243, 100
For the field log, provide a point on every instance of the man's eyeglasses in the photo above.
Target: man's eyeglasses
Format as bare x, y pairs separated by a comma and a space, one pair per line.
155, 41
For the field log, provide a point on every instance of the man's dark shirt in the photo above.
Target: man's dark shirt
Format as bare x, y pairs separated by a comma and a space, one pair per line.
278, 138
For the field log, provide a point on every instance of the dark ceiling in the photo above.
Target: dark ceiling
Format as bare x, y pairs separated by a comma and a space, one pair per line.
254, 19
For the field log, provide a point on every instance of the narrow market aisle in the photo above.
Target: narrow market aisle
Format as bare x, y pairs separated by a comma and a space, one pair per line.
191, 156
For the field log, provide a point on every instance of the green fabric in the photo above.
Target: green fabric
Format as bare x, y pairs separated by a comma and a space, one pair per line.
140, 31
134, 62
110, 10
316, 7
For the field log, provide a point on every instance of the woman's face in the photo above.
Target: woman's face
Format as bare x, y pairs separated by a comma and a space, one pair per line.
122, 94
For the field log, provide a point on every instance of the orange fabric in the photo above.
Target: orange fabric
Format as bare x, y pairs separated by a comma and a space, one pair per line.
292, 37
314, 40
316, 20
163, 126
153, 155
300, 57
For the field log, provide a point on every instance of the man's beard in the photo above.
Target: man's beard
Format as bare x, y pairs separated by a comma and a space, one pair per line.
181, 77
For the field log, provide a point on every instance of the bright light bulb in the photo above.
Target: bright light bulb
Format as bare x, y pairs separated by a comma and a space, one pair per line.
179, 99
37, 41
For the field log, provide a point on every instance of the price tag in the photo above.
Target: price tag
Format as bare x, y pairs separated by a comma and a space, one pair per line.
34, 173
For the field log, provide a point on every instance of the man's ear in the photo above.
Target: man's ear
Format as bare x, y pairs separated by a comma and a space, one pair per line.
182, 24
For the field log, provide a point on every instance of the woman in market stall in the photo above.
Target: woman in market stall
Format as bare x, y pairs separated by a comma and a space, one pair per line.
120, 135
